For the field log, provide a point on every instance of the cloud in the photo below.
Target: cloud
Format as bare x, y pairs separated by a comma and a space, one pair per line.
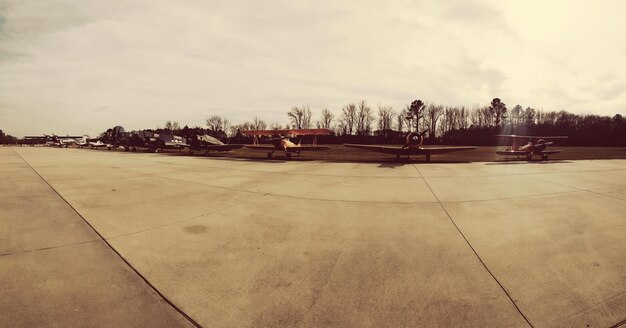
87, 65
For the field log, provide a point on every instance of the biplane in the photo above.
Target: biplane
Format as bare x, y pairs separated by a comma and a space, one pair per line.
280, 140
208, 143
412, 146
533, 145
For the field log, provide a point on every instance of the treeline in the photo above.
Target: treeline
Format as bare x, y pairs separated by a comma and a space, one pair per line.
360, 122
7, 139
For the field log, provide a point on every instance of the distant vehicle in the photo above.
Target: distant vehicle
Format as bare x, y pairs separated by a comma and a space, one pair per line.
208, 143
280, 141
412, 146
534, 145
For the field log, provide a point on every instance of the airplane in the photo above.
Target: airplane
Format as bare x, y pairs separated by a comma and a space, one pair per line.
98, 144
63, 142
57, 141
412, 146
281, 142
83, 142
535, 145
208, 143
117, 136
154, 142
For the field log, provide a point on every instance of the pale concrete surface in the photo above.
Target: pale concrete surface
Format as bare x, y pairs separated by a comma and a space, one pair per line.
239, 243
55, 271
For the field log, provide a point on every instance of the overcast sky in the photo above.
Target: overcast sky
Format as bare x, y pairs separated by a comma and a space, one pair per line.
82, 66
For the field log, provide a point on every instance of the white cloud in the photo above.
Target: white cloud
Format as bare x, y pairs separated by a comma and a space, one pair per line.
80, 66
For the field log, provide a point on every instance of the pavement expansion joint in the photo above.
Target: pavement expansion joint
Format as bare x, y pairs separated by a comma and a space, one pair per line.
271, 193
475, 252
579, 189
175, 307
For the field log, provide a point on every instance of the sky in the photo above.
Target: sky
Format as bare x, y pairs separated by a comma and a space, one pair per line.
82, 66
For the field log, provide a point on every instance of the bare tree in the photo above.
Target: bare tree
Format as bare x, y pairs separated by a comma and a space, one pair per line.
463, 118
300, 117
365, 118
487, 116
348, 118
306, 117
218, 126
246, 126
214, 123
433, 112
449, 120
275, 126
516, 113
385, 119
400, 119
258, 124
327, 119
233, 130
172, 126
295, 115
529, 116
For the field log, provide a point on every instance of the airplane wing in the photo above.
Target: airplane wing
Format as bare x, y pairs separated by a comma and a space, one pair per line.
306, 148
407, 151
314, 132
549, 152
445, 149
512, 152
260, 147
382, 149
222, 147
514, 136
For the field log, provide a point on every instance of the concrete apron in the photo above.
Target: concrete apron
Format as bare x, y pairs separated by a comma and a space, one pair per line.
257, 243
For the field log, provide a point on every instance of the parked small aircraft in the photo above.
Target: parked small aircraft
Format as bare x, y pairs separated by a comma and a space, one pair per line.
154, 142
281, 141
61, 141
208, 143
83, 142
412, 146
535, 145
98, 144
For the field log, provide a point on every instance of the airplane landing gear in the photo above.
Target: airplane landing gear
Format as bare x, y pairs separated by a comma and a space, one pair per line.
269, 155
529, 157
428, 158
206, 153
544, 157
288, 155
